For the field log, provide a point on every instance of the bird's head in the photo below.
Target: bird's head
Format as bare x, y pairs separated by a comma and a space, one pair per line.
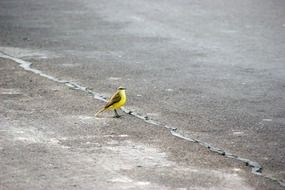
121, 88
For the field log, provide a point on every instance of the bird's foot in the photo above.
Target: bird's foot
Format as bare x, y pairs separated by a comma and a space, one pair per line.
117, 116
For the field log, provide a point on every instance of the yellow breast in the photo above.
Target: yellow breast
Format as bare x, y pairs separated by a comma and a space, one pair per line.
122, 101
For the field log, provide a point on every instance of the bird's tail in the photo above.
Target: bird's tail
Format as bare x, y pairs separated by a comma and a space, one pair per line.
101, 110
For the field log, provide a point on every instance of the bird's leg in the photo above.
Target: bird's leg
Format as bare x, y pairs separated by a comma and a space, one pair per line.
116, 114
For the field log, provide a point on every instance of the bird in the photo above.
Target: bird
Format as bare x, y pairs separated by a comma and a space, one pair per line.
115, 102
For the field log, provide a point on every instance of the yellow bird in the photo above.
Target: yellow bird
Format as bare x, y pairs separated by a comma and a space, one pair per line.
115, 102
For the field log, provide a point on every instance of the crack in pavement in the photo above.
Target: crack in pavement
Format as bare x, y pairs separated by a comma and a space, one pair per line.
256, 168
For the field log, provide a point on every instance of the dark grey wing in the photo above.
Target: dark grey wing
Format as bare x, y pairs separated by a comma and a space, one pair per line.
114, 99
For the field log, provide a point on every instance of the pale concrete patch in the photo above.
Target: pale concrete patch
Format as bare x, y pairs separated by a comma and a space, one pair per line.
28, 53
114, 78
267, 120
10, 91
70, 64
89, 120
128, 155
238, 133
169, 90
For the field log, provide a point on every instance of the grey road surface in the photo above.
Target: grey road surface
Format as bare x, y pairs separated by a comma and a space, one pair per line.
213, 69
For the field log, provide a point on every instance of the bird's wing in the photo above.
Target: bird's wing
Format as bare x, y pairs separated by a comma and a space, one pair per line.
114, 99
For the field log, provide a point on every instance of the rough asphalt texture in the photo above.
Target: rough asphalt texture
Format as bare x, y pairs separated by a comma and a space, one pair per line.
212, 68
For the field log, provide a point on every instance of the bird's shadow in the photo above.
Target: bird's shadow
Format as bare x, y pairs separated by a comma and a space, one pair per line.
108, 117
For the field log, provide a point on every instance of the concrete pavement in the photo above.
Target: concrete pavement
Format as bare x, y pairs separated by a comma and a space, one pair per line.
212, 69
